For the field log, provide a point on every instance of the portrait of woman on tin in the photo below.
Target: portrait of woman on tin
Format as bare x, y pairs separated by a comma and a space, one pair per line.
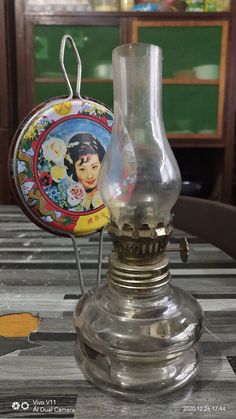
82, 161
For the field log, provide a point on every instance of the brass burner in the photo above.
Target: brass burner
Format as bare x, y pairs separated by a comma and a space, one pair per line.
140, 246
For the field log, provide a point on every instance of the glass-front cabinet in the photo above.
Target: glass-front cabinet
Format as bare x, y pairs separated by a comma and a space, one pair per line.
194, 68
194, 64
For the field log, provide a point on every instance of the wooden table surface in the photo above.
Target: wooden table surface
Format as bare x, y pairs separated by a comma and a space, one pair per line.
39, 285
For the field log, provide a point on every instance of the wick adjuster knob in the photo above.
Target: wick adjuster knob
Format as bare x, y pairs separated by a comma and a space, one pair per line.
183, 249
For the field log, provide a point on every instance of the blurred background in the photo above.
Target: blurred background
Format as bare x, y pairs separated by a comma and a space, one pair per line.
198, 39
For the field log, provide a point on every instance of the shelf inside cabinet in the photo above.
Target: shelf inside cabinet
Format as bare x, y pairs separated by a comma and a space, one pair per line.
72, 79
201, 143
184, 135
101, 80
190, 81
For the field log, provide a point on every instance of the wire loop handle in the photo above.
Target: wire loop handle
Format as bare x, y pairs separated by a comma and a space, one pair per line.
64, 40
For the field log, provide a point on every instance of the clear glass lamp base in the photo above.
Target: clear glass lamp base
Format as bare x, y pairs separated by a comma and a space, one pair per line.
138, 346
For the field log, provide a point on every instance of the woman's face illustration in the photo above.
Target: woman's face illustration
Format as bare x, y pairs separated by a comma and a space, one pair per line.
87, 172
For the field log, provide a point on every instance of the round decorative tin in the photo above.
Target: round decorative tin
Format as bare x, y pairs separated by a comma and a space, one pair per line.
56, 163
57, 154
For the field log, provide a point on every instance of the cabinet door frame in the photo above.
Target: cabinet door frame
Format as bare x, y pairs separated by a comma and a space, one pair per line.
144, 23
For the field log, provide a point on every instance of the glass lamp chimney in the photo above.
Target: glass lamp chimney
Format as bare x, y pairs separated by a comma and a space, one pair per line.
139, 179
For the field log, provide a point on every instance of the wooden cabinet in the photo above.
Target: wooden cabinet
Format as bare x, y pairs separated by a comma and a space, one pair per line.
7, 94
198, 75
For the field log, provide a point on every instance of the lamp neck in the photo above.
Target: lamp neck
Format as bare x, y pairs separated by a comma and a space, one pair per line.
138, 278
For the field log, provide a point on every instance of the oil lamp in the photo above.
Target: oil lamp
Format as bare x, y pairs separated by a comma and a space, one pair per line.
137, 334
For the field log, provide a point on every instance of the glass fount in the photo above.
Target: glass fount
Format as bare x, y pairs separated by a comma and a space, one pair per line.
137, 334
